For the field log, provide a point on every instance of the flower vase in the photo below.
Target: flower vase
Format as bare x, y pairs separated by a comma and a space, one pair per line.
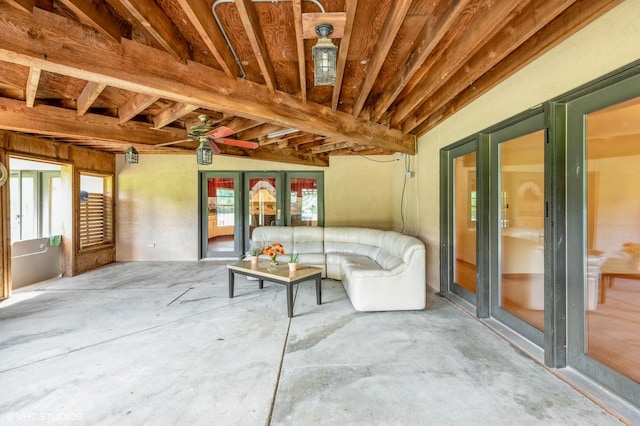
635, 263
274, 262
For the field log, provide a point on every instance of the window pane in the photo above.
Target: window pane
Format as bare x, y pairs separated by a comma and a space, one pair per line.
612, 293
522, 227
221, 214
262, 202
464, 269
304, 202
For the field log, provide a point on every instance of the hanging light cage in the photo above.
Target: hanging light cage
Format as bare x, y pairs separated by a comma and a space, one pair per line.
204, 153
325, 55
131, 155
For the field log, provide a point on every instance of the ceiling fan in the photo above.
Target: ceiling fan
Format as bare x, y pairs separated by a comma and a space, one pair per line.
216, 135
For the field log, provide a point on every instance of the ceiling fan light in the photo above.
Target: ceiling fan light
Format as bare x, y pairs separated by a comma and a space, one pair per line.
204, 153
131, 155
325, 55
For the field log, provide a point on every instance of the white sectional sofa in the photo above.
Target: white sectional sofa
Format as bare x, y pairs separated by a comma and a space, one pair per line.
380, 270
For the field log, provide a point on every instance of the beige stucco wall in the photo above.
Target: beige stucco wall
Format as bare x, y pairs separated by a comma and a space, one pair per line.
605, 45
157, 200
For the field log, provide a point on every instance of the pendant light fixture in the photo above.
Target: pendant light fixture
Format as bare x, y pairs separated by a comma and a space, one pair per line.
204, 153
131, 155
325, 55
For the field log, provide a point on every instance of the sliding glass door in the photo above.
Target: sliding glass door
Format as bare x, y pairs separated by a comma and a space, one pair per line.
460, 263
518, 200
604, 260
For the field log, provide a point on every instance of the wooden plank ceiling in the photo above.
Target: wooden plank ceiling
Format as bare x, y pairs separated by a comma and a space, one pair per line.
118, 73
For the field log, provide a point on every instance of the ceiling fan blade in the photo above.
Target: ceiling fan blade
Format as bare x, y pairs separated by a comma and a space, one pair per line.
235, 142
214, 147
220, 132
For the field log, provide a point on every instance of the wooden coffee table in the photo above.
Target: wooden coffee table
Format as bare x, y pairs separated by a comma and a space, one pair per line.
279, 275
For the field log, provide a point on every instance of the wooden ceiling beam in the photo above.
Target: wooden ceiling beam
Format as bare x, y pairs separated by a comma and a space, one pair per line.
258, 131
62, 122
153, 19
302, 65
251, 24
311, 20
343, 51
88, 96
200, 15
171, 114
66, 47
436, 27
445, 61
239, 124
574, 18
278, 140
31, 89
280, 156
28, 5
385, 40
135, 106
99, 15
519, 29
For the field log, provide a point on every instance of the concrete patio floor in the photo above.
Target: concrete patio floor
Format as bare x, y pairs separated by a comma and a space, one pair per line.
161, 343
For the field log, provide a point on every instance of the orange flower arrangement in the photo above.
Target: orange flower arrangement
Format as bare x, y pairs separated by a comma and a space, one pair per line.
273, 250
633, 250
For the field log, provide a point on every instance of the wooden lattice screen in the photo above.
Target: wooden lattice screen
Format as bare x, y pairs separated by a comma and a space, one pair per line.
95, 220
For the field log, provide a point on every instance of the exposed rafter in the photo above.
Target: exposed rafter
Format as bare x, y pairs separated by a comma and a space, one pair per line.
256, 38
391, 27
134, 67
156, 65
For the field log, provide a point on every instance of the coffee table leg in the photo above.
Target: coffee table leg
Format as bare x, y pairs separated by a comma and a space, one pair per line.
231, 284
260, 284
319, 289
290, 299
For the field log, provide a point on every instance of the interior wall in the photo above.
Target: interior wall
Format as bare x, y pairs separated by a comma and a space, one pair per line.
157, 199
605, 45
616, 208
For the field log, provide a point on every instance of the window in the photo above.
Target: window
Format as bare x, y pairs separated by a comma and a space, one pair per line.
36, 200
96, 212
225, 206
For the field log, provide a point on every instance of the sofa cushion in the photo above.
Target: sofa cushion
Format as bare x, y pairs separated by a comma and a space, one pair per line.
265, 235
308, 239
362, 241
353, 262
387, 260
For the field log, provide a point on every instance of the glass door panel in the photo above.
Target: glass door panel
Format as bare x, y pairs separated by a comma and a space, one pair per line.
222, 222
521, 210
465, 222
304, 201
263, 200
612, 252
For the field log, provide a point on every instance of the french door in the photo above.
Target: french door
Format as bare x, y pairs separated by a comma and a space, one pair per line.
233, 204
604, 237
517, 227
221, 214
460, 212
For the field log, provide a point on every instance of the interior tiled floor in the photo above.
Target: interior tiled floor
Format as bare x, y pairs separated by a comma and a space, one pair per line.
161, 343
